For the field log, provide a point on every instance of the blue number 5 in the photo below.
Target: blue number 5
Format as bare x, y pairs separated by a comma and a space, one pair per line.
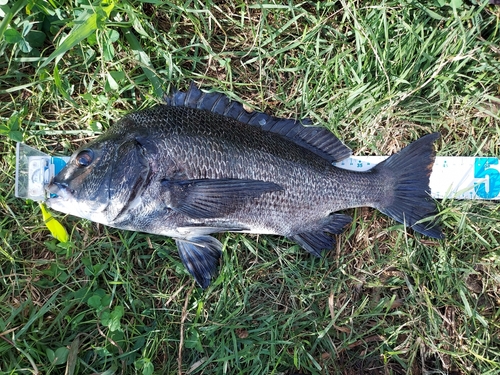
486, 168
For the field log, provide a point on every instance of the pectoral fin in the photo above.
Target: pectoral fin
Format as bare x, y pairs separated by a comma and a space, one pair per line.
211, 198
317, 241
200, 255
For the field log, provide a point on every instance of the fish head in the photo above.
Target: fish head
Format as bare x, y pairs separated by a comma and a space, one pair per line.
103, 178
82, 188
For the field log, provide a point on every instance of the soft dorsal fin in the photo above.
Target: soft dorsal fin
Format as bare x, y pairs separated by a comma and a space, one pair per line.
316, 139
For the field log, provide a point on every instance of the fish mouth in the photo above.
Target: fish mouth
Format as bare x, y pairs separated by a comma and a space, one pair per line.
60, 190
61, 198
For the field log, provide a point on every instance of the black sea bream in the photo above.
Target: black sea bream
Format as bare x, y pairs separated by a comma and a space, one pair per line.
201, 164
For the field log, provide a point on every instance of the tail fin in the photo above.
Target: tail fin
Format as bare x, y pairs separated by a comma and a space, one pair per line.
410, 170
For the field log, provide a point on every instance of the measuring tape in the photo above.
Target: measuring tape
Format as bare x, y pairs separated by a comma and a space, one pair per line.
457, 177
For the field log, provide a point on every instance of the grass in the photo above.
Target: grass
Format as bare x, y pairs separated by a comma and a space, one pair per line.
378, 74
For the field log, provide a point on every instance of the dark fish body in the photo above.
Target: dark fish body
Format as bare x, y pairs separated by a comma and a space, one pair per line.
200, 164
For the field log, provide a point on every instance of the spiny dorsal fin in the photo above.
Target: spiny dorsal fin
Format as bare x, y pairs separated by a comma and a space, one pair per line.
318, 140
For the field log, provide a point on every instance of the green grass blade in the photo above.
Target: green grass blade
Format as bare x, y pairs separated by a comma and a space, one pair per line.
10, 12
86, 24
145, 62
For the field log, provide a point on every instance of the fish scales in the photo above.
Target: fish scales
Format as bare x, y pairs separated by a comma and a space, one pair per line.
190, 168
241, 154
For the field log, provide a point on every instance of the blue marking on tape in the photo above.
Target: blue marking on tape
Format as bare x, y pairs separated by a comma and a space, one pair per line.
488, 169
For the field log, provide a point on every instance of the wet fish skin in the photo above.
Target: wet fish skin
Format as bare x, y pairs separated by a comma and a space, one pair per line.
200, 164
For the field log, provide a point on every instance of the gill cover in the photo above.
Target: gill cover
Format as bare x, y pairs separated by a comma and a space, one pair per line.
129, 177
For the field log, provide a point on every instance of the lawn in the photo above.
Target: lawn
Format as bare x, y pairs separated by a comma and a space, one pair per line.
378, 74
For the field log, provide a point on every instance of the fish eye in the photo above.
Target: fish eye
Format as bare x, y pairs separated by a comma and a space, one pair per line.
84, 158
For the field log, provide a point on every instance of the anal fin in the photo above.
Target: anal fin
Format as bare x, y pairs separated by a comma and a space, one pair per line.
322, 239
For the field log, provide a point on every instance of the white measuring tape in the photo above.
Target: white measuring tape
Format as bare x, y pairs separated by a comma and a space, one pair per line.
457, 177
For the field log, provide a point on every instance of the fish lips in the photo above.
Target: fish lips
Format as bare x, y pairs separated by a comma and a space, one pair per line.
60, 196
60, 189
64, 199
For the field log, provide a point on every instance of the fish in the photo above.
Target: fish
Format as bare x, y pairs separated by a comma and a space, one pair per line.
201, 164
